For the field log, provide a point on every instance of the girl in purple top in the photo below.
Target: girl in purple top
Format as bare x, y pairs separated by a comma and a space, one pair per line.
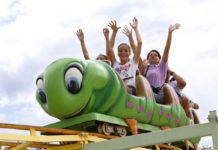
157, 67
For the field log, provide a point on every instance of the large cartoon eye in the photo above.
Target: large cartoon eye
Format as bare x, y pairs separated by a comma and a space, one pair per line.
73, 78
40, 90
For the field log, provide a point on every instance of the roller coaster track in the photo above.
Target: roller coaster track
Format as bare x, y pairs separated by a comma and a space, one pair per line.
64, 139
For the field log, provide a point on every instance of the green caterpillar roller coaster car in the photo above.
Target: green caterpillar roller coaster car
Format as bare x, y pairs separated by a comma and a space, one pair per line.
89, 95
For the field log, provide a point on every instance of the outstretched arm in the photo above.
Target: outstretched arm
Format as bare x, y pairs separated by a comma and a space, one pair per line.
181, 83
109, 51
80, 36
168, 43
137, 53
113, 26
128, 33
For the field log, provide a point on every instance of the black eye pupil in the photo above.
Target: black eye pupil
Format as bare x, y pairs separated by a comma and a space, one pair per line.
42, 96
73, 85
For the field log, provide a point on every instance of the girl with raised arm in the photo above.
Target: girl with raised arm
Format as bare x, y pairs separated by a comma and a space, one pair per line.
126, 66
157, 67
80, 36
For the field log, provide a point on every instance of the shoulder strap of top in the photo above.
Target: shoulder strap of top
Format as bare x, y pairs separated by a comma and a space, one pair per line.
146, 71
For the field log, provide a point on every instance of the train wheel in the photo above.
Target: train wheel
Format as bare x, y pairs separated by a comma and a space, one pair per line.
100, 130
106, 128
121, 131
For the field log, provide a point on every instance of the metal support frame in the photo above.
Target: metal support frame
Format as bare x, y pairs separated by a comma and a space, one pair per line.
81, 140
152, 138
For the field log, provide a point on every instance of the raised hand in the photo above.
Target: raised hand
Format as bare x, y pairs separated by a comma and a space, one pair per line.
113, 25
134, 23
80, 34
106, 32
174, 27
127, 32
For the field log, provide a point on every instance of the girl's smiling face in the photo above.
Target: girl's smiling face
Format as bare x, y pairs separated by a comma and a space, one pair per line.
124, 53
153, 58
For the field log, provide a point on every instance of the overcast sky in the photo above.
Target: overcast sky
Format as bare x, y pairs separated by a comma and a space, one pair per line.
33, 33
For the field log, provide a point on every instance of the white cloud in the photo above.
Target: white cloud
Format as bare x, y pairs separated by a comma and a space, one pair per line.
3, 101
206, 142
32, 115
24, 109
34, 33
2, 117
